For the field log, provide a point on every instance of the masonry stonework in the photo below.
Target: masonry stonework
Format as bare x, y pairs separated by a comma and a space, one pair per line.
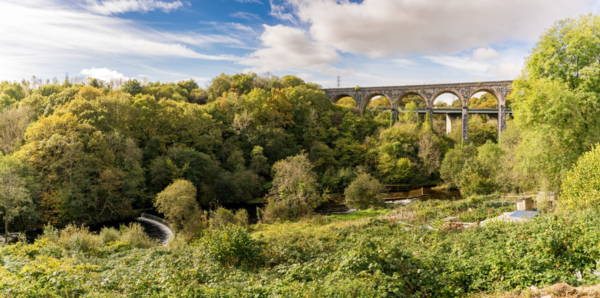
395, 94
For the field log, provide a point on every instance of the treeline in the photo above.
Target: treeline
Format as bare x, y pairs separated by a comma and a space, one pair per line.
556, 106
88, 153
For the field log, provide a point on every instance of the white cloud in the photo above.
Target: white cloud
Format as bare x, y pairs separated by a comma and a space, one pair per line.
305, 76
506, 70
110, 7
337, 71
240, 27
289, 48
485, 62
405, 63
245, 15
401, 27
485, 54
462, 63
104, 74
279, 12
249, 1
45, 37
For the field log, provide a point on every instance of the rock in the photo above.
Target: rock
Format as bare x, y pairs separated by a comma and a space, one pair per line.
562, 289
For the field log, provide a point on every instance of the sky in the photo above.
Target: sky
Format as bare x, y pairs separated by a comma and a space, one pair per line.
365, 43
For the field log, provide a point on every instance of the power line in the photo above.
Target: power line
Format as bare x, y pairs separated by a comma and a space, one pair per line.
338, 81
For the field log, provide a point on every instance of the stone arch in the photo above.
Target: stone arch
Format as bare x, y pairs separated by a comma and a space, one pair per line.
445, 91
335, 98
410, 92
499, 99
368, 98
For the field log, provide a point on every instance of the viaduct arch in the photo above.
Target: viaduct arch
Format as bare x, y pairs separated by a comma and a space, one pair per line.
464, 91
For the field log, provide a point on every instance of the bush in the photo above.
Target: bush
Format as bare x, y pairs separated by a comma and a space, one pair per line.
79, 238
134, 235
51, 233
178, 202
193, 227
109, 234
475, 179
395, 170
295, 190
453, 164
364, 191
233, 246
581, 186
223, 217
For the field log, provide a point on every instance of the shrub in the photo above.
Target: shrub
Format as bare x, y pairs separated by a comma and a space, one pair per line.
109, 234
295, 190
134, 235
475, 179
223, 217
233, 246
453, 164
193, 227
364, 191
395, 170
51, 233
79, 238
177, 202
581, 186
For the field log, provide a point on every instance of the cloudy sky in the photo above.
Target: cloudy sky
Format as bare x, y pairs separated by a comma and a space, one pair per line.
367, 43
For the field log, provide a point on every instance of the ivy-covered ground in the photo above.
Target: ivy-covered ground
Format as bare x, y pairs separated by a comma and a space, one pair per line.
370, 253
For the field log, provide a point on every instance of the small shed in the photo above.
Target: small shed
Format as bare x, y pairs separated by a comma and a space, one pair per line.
525, 204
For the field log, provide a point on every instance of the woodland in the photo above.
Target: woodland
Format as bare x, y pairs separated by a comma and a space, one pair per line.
84, 151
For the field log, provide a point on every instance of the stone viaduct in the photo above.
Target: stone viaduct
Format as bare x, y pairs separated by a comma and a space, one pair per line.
464, 91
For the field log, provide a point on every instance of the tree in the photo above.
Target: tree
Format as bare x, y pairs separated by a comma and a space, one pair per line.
295, 189
13, 124
346, 102
177, 202
258, 161
132, 87
581, 186
364, 191
14, 196
556, 100
453, 163
394, 170
89, 92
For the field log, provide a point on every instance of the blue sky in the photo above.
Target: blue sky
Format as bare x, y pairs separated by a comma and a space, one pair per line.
367, 43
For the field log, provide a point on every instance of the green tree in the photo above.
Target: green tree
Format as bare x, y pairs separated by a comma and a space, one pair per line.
178, 203
14, 196
581, 186
395, 170
295, 190
13, 123
556, 100
453, 163
132, 87
364, 191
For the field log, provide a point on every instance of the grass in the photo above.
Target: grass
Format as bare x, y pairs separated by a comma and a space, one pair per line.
359, 214
368, 253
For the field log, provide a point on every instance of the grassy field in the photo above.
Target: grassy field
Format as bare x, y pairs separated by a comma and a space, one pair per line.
370, 253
